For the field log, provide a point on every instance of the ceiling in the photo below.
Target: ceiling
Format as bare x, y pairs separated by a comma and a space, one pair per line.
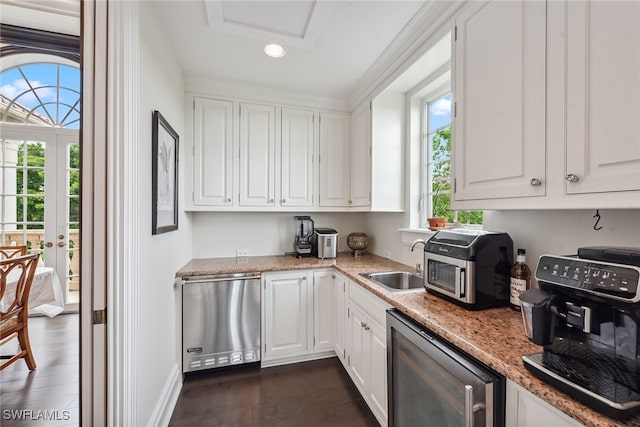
330, 44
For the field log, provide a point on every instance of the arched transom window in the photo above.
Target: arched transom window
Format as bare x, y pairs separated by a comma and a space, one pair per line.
42, 94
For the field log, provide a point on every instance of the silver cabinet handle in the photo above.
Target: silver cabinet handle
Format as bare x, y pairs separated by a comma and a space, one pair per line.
571, 178
468, 406
535, 182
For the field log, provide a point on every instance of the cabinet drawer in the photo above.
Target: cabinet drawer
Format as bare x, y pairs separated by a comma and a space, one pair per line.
374, 306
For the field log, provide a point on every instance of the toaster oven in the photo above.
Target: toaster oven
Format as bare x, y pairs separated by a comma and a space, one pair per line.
469, 267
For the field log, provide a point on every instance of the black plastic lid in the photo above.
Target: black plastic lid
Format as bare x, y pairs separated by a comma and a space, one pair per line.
321, 230
617, 255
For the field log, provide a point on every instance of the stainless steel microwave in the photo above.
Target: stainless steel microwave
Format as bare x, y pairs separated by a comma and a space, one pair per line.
469, 267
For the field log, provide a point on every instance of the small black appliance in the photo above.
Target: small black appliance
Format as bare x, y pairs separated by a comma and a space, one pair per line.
586, 315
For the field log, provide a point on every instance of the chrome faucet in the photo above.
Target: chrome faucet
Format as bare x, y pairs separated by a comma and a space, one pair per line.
413, 245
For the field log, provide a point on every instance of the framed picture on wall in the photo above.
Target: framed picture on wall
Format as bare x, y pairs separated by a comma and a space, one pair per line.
164, 151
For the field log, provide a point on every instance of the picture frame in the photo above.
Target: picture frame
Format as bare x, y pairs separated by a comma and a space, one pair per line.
164, 153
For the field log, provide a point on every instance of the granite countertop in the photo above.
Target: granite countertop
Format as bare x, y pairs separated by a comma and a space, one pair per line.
494, 336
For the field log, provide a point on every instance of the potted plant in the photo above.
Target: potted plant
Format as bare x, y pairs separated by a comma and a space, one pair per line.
439, 210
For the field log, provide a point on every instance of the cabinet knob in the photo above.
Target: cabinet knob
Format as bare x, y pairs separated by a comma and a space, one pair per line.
270, 200
535, 182
571, 178
283, 201
350, 201
229, 200
304, 277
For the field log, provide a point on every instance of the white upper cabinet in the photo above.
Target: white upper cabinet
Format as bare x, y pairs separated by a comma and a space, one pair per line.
297, 177
603, 96
499, 94
213, 152
547, 125
257, 154
335, 174
360, 185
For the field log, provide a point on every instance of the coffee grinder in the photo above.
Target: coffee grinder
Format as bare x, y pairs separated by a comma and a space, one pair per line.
304, 230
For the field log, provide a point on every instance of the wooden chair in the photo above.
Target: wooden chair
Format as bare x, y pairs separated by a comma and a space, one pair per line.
14, 315
7, 252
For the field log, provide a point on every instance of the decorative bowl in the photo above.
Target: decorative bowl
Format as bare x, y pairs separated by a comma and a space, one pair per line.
357, 242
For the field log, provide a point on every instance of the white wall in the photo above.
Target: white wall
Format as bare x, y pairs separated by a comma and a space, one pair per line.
219, 234
563, 232
161, 88
558, 232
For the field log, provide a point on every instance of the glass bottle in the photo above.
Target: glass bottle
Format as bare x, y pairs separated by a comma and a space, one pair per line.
520, 279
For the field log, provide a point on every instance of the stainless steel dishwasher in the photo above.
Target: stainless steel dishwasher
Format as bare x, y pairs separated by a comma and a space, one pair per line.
220, 320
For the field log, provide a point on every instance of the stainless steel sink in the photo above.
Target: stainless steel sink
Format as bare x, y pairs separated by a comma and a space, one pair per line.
396, 280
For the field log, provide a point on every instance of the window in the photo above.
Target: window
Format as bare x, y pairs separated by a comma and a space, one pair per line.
436, 143
40, 163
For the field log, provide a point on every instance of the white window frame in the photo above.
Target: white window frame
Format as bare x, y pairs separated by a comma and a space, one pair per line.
426, 207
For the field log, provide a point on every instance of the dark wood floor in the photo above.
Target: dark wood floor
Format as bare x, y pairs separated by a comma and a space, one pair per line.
54, 385
317, 393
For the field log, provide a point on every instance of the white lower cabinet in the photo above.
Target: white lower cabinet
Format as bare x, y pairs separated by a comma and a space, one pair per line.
340, 292
367, 348
524, 409
297, 316
323, 311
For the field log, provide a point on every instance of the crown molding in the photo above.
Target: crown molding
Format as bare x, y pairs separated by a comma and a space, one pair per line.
237, 89
408, 46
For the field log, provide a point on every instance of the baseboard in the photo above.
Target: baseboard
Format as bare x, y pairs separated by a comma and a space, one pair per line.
297, 359
164, 408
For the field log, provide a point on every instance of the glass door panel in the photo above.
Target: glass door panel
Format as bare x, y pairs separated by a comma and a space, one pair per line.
39, 202
425, 393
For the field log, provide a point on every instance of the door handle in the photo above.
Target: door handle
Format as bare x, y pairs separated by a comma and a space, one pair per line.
49, 244
468, 406
61, 244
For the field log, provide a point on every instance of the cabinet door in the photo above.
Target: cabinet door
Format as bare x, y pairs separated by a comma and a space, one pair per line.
358, 349
286, 323
603, 96
213, 150
257, 154
499, 94
524, 409
335, 176
378, 355
324, 314
297, 157
340, 286
361, 158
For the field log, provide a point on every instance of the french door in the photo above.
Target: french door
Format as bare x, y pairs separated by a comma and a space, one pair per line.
39, 179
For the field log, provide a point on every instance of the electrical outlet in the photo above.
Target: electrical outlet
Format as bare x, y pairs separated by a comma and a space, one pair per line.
386, 254
242, 253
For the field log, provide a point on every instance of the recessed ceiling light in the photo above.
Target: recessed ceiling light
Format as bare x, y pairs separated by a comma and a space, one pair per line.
274, 50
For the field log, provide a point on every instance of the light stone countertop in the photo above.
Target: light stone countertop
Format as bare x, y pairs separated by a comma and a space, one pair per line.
494, 336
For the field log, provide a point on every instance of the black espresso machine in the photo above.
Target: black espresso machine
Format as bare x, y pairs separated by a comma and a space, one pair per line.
586, 314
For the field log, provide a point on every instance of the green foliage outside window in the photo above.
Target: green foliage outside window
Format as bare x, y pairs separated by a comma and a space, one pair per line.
35, 185
441, 180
